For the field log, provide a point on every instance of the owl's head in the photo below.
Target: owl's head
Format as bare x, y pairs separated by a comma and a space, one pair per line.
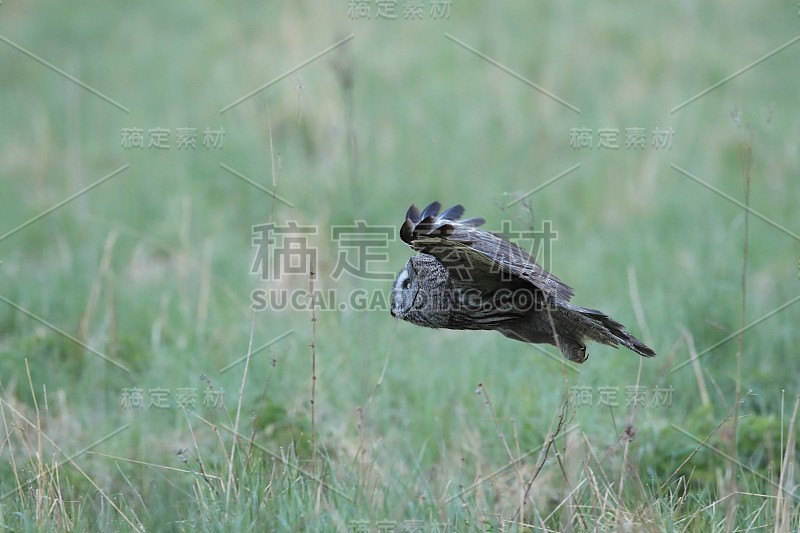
419, 289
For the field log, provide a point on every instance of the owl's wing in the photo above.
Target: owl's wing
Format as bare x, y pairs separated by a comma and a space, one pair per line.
475, 254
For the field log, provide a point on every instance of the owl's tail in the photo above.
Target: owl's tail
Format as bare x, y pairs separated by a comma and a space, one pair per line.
570, 327
608, 331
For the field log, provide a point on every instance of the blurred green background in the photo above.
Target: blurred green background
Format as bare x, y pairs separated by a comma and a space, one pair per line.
152, 267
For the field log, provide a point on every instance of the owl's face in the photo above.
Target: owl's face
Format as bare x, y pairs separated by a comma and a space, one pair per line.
404, 292
421, 292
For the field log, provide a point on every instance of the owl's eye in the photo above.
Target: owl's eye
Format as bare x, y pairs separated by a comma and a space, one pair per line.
406, 283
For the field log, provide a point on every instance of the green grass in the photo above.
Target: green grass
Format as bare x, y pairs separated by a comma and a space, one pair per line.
152, 269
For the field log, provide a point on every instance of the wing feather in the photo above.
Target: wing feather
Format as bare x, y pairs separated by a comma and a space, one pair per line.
454, 213
431, 211
485, 256
413, 214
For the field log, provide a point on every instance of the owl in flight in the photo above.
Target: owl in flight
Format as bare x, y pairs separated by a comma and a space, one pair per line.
468, 278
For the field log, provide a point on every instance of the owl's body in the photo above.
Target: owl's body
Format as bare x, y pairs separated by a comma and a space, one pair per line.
467, 278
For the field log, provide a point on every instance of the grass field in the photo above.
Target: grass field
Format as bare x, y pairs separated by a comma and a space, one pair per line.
127, 397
